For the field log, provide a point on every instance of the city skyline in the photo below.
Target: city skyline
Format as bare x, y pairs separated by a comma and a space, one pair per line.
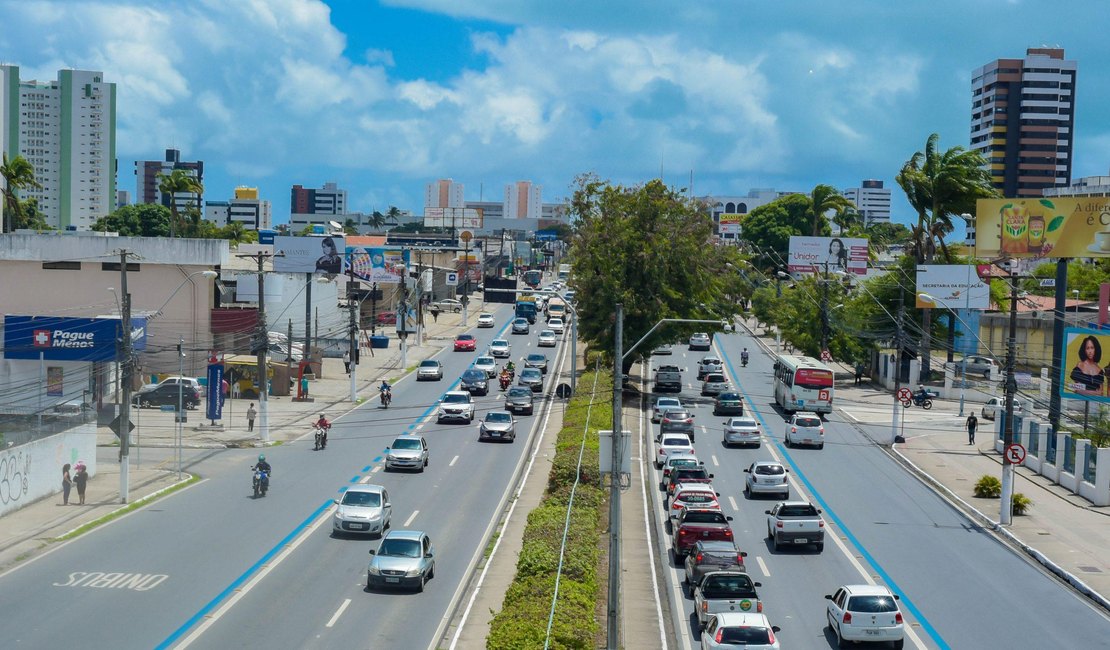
297, 92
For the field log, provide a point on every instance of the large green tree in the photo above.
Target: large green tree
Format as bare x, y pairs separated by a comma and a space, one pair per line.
142, 220
767, 229
180, 181
650, 250
18, 174
822, 200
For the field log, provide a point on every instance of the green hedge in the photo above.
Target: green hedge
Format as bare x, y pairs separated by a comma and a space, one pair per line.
522, 621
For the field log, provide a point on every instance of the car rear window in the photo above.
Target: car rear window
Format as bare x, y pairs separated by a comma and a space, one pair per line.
728, 586
715, 379
808, 422
676, 442
689, 472
872, 604
769, 470
683, 462
740, 422
696, 497
697, 517
797, 511
745, 636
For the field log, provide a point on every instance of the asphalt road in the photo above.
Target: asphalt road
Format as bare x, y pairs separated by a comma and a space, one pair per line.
959, 587
216, 568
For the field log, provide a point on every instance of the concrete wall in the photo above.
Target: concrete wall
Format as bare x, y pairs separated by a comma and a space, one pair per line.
34, 471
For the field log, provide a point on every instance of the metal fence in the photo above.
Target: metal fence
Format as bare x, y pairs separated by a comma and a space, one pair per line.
1069, 455
1092, 460
22, 429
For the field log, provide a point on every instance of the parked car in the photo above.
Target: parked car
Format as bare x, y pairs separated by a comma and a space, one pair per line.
766, 477
386, 318
662, 404
448, 304
500, 349
536, 360
677, 421
532, 378
672, 443
726, 591
556, 325
711, 555
691, 524
456, 405
795, 523
736, 630
547, 339
189, 382
714, 384
475, 381
405, 558
708, 365
465, 343
497, 425
362, 509
519, 400
430, 370
865, 613
728, 403
486, 364
520, 326
979, 365
805, 428
996, 405
485, 319
700, 341
167, 395
407, 452
741, 431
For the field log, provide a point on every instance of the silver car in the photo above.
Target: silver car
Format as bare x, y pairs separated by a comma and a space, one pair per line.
536, 360
741, 431
663, 404
700, 341
714, 384
519, 400
766, 477
499, 349
362, 509
405, 558
532, 378
430, 370
487, 364
498, 425
407, 452
520, 326
547, 339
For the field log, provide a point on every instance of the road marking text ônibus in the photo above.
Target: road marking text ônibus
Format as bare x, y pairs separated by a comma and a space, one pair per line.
101, 580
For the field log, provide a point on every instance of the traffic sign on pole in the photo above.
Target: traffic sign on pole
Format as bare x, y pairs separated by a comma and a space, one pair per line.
452, 279
825, 356
1016, 454
904, 394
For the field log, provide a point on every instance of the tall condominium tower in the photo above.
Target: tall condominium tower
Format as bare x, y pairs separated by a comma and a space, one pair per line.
146, 183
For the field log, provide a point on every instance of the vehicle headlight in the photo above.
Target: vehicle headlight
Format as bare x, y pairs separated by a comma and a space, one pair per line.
412, 573
373, 570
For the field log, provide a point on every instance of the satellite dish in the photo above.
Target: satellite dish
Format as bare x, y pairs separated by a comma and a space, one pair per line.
336, 225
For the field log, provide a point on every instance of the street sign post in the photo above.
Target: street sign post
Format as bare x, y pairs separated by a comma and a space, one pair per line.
451, 279
1016, 453
826, 356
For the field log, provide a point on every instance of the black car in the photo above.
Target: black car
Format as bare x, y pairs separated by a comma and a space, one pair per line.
475, 381
167, 395
536, 360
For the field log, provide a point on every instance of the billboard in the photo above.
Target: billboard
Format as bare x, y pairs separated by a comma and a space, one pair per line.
1084, 372
380, 265
1051, 227
729, 224
60, 339
308, 254
952, 286
834, 254
454, 218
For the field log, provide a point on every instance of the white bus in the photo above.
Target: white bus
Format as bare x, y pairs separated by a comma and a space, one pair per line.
803, 384
564, 272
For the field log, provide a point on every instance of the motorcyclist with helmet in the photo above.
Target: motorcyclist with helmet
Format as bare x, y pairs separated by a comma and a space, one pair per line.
324, 426
264, 467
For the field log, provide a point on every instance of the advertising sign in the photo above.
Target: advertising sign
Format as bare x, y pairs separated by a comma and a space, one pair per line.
54, 381
309, 254
60, 339
452, 218
380, 265
214, 399
1084, 373
834, 254
1055, 227
952, 286
729, 224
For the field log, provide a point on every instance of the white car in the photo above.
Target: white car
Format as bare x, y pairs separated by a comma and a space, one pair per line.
996, 405
547, 339
664, 404
715, 383
456, 405
741, 431
448, 304
485, 319
708, 365
429, 370
362, 509
672, 443
735, 630
865, 613
488, 364
189, 382
500, 349
766, 477
556, 325
805, 428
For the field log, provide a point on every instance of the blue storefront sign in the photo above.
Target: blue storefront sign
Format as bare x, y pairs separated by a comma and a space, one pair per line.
67, 339
546, 235
214, 402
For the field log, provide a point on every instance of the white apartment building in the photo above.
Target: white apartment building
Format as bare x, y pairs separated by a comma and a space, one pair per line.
1086, 186
523, 200
872, 201
66, 129
246, 208
732, 207
444, 193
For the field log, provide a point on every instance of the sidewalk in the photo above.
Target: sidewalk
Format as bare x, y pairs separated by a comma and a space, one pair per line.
33, 529
1060, 528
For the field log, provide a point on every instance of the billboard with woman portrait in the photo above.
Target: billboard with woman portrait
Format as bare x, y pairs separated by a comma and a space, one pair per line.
1085, 368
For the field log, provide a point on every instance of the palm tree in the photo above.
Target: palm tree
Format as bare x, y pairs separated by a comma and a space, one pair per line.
376, 220
824, 198
179, 181
394, 214
18, 174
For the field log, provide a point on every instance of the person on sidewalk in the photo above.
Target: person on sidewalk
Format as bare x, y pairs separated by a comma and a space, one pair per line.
435, 314
81, 479
859, 374
251, 414
67, 484
972, 424
347, 361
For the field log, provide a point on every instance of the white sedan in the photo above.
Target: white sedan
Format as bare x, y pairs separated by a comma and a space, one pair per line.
672, 443
547, 339
500, 349
556, 325
741, 431
485, 319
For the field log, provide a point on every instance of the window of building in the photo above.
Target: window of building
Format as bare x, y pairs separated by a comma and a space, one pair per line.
61, 266
114, 266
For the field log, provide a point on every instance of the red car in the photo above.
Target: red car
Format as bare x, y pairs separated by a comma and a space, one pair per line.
465, 343
387, 318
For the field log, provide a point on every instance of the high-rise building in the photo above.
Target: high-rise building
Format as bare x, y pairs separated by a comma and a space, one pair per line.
1023, 120
444, 193
123, 197
246, 208
1097, 186
148, 171
872, 201
523, 200
66, 129
312, 206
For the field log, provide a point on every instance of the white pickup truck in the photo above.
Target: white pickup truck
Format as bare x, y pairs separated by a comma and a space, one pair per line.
795, 523
725, 591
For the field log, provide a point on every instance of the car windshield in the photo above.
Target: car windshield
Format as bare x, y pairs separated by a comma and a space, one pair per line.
406, 443
520, 392
484, 361
872, 604
536, 357
701, 517
520, 321
400, 548
498, 417
807, 422
465, 337
676, 442
735, 585
456, 399
365, 499
798, 511
474, 375
428, 363
744, 636
532, 373
769, 470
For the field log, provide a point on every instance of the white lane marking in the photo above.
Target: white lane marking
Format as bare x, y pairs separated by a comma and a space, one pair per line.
421, 425
338, 612
258, 577
376, 469
714, 459
763, 566
732, 502
452, 463
411, 517
365, 479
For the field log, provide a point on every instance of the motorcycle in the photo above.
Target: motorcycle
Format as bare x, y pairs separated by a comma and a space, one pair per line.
386, 397
505, 381
918, 399
261, 482
321, 438
744, 361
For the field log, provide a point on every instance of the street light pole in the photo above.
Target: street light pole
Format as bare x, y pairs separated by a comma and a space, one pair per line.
613, 617
1011, 388
898, 343
181, 400
825, 310
127, 367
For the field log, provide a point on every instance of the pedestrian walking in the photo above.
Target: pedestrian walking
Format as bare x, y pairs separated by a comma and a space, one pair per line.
972, 424
81, 479
435, 314
347, 361
251, 413
67, 484
859, 374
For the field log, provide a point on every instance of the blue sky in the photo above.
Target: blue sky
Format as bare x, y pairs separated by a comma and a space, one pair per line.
385, 96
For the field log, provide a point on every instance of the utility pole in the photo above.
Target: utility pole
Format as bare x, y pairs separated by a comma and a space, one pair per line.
825, 310
1011, 388
262, 343
1058, 325
613, 617
352, 306
127, 366
307, 318
898, 343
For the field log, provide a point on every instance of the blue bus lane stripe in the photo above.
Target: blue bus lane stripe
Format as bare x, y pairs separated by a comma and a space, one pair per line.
831, 514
